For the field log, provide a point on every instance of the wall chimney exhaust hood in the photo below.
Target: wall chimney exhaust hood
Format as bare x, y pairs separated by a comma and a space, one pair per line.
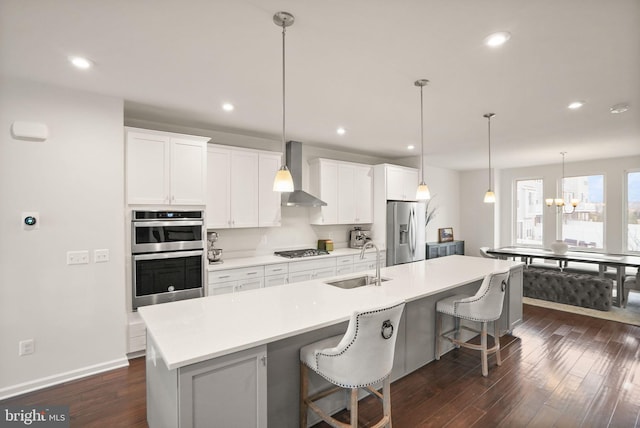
297, 198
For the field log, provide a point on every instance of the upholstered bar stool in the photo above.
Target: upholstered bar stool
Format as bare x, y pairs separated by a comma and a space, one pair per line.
483, 307
359, 359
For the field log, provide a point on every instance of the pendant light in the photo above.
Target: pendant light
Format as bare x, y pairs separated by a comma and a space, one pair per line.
558, 201
423, 193
489, 197
283, 181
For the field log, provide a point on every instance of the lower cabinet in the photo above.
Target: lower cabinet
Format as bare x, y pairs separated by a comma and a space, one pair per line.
208, 392
312, 269
442, 249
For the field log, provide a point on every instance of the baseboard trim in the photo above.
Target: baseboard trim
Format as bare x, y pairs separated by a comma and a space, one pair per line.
57, 379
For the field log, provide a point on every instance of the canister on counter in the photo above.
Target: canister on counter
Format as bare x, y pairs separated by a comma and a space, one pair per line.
325, 244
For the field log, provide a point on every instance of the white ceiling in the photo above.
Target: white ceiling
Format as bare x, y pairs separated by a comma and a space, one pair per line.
353, 64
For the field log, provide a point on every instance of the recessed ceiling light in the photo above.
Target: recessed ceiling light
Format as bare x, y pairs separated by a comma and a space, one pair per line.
619, 108
497, 39
227, 107
341, 131
411, 147
80, 62
575, 105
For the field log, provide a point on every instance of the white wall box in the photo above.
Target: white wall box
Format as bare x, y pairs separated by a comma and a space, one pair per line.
165, 168
346, 187
239, 192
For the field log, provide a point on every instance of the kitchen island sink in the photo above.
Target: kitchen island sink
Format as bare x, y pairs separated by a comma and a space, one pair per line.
356, 282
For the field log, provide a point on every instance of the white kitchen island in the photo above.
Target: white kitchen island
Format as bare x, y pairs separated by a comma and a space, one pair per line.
232, 360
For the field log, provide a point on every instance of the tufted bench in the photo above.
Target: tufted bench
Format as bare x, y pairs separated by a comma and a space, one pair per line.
576, 289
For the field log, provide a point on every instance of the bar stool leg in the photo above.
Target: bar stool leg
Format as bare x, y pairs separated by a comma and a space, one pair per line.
438, 333
386, 400
354, 407
304, 392
496, 338
483, 351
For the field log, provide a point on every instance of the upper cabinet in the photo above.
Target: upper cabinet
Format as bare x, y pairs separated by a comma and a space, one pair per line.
346, 187
165, 168
401, 183
239, 183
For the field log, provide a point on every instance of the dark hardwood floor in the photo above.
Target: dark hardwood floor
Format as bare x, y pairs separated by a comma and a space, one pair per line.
559, 370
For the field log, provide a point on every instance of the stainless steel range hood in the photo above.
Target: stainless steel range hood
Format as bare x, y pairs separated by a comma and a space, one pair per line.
297, 198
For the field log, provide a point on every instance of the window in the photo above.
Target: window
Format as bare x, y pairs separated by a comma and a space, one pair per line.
633, 211
583, 226
529, 203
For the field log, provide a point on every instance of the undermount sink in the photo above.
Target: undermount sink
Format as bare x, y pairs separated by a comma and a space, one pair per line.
356, 282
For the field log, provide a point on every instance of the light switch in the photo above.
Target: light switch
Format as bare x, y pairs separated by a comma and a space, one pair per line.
101, 256
78, 257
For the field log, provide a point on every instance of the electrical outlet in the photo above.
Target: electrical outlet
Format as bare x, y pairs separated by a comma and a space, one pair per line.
101, 256
78, 257
26, 347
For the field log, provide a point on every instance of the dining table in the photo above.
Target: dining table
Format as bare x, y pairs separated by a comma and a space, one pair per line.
619, 262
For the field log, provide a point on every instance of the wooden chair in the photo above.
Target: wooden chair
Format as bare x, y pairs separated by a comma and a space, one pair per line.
359, 359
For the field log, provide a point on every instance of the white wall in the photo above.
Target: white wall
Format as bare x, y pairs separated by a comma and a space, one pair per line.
75, 179
613, 170
477, 219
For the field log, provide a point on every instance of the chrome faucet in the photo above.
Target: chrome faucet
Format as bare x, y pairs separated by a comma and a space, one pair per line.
367, 245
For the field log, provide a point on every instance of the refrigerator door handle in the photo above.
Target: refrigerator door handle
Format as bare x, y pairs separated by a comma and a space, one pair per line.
412, 233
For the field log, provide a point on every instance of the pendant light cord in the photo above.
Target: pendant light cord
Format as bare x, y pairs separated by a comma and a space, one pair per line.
421, 136
489, 137
284, 28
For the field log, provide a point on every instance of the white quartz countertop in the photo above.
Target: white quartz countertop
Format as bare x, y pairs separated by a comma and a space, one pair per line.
240, 262
194, 330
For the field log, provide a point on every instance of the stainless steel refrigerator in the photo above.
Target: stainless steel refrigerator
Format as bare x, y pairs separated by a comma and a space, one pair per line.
406, 236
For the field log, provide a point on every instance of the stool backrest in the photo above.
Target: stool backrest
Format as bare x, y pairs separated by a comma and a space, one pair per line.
486, 304
483, 253
364, 355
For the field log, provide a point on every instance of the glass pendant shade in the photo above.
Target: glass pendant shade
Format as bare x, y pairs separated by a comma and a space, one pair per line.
283, 181
489, 197
423, 193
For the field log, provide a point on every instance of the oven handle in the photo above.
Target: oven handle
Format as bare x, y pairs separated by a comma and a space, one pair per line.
138, 223
171, 255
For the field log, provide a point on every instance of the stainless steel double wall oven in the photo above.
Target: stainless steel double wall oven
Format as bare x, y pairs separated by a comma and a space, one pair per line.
168, 256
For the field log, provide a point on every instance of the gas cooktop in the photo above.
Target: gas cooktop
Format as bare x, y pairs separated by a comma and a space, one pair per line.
307, 252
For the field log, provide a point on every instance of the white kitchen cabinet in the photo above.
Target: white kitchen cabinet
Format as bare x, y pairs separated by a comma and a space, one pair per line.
270, 281
227, 391
232, 188
401, 183
323, 182
235, 280
165, 168
346, 187
276, 274
369, 261
312, 269
269, 202
239, 188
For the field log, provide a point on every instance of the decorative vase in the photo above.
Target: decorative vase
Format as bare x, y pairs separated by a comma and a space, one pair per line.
559, 247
